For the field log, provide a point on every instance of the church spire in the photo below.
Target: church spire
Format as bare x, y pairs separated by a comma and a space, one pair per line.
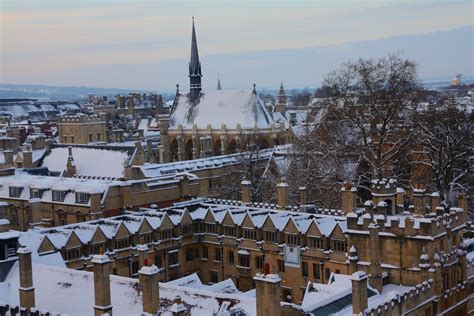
281, 104
218, 82
194, 70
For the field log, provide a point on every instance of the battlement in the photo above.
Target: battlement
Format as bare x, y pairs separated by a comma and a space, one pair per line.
407, 224
400, 304
82, 118
384, 186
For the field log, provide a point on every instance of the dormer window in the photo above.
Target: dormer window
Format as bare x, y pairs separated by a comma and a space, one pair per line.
36, 193
82, 198
15, 191
58, 196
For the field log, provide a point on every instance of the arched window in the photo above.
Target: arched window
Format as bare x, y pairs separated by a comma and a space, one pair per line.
62, 218
174, 150
188, 150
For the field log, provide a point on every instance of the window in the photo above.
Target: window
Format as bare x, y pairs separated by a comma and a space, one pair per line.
146, 238
339, 245
189, 254
62, 218
166, 234
158, 261
271, 236
316, 271
98, 137
82, 198
250, 234
259, 262
304, 270
65, 139
15, 191
199, 227
14, 216
90, 137
217, 254
36, 194
97, 248
80, 218
72, 139
73, 253
205, 254
230, 254
196, 252
121, 243
229, 231
214, 276
211, 228
293, 240
134, 267
186, 230
58, 196
244, 261
315, 242
173, 257
281, 266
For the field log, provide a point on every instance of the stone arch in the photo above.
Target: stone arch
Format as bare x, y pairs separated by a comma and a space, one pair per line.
232, 147
188, 150
62, 217
174, 150
216, 148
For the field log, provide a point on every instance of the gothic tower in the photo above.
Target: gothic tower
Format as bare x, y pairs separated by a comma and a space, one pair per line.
194, 71
281, 102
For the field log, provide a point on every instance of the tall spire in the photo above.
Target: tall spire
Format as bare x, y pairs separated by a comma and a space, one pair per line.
281, 103
218, 82
194, 70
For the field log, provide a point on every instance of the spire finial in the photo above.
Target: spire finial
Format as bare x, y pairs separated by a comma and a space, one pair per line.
218, 82
177, 88
254, 88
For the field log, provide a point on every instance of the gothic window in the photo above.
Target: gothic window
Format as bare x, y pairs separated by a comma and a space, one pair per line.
294, 240
250, 234
270, 236
339, 245
229, 231
315, 242
62, 218
211, 228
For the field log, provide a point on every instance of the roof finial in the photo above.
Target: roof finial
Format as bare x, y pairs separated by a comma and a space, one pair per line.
177, 88
218, 82
254, 88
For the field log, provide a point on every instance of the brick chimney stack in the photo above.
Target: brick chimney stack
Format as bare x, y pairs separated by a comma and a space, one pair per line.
178, 308
27, 291
375, 269
268, 294
36, 212
359, 292
103, 303
349, 198
246, 195
303, 197
148, 276
282, 190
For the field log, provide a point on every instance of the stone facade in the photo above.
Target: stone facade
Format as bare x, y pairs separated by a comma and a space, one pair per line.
82, 129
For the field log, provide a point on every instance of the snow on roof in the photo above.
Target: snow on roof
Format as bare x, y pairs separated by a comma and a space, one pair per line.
27, 181
164, 169
229, 107
72, 292
318, 294
89, 161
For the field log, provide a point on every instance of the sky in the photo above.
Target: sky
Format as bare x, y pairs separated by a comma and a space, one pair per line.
62, 42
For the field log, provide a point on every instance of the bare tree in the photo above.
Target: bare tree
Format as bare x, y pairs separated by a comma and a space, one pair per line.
444, 151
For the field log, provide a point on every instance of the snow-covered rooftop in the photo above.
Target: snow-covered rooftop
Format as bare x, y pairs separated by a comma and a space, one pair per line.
229, 107
89, 161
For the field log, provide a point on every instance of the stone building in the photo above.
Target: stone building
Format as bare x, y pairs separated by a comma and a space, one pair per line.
212, 123
82, 129
220, 239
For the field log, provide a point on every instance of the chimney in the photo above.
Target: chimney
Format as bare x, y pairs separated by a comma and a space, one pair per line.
374, 254
4, 224
353, 259
125, 193
103, 303
268, 294
178, 308
302, 191
149, 151
70, 165
27, 159
349, 195
36, 212
246, 195
184, 188
369, 207
148, 277
462, 201
282, 189
27, 291
138, 159
359, 292
434, 201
